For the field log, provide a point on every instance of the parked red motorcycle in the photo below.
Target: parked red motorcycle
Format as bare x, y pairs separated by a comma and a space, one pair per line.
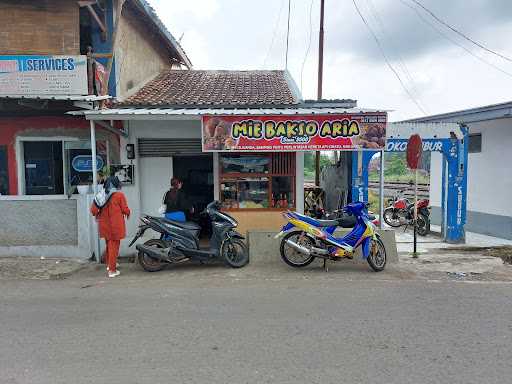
401, 213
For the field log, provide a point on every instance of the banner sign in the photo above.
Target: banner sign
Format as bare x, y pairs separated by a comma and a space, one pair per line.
294, 132
43, 75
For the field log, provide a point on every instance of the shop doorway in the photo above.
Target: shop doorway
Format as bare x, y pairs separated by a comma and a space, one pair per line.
43, 168
196, 172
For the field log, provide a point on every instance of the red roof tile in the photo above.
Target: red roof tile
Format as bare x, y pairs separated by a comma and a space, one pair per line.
215, 88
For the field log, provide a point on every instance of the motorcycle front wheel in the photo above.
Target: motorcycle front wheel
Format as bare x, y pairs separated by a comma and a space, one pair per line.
377, 257
423, 225
293, 257
391, 218
148, 263
235, 253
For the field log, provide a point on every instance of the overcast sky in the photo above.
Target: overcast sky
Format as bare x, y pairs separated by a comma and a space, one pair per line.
437, 73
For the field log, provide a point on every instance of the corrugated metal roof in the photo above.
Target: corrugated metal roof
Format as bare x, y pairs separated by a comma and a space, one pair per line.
487, 112
191, 113
57, 97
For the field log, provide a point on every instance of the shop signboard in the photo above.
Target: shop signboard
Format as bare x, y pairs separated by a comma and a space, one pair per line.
83, 163
43, 75
270, 133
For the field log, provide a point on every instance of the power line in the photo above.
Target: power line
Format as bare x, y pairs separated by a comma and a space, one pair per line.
309, 43
454, 41
273, 34
377, 41
287, 36
460, 33
374, 12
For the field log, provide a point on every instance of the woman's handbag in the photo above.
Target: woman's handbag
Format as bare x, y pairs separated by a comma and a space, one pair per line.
163, 207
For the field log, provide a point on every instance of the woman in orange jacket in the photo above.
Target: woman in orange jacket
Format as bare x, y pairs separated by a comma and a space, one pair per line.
110, 211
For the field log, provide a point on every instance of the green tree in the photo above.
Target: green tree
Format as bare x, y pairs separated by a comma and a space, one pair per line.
395, 165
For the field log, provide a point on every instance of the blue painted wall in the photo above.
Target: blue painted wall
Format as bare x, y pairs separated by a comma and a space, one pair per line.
100, 46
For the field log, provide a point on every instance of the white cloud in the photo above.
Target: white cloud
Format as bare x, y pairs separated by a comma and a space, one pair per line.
236, 34
195, 9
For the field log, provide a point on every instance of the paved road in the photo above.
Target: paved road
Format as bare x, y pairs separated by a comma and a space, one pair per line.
216, 325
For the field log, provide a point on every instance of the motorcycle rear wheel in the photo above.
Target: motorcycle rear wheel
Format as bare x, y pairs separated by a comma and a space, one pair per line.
389, 219
150, 264
235, 253
377, 257
288, 253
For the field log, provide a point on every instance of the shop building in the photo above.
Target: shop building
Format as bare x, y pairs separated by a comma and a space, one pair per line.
45, 72
61, 66
489, 177
180, 123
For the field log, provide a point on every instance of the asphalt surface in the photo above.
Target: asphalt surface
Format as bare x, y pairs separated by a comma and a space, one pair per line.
216, 325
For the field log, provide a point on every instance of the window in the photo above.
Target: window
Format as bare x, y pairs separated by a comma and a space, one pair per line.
43, 167
4, 171
256, 181
475, 143
54, 167
78, 155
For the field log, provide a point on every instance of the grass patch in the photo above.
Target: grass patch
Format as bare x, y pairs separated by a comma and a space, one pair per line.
422, 179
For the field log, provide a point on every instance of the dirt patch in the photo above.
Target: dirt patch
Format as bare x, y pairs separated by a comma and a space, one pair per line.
504, 253
39, 268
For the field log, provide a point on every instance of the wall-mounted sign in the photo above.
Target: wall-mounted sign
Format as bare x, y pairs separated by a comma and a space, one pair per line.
124, 172
294, 133
83, 163
428, 145
43, 75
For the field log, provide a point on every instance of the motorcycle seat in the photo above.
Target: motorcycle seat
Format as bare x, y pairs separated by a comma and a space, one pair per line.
190, 225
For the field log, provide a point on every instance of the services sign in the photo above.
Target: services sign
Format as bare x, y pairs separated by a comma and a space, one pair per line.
270, 133
43, 75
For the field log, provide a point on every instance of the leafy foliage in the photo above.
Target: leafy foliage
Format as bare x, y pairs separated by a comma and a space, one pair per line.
309, 164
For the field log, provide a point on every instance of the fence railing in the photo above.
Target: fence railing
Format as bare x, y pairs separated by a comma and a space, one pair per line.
391, 187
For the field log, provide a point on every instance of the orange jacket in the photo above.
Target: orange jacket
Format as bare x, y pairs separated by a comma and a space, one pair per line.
111, 217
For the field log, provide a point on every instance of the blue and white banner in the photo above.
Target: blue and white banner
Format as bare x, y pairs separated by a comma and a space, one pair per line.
43, 75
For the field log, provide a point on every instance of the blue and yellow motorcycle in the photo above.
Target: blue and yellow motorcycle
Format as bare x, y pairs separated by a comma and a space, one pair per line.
305, 238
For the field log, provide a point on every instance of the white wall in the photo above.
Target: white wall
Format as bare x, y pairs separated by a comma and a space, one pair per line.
489, 172
156, 173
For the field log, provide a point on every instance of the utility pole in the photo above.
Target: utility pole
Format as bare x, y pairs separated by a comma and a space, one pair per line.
320, 81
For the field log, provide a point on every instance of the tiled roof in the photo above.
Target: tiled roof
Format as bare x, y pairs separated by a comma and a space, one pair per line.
190, 88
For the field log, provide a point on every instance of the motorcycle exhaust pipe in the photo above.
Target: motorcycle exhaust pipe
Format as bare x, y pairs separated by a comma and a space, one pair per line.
298, 247
317, 252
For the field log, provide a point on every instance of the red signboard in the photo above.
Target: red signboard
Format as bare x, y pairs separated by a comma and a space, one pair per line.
294, 132
414, 151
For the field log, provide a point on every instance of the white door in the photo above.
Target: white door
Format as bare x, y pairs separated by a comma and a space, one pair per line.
155, 176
